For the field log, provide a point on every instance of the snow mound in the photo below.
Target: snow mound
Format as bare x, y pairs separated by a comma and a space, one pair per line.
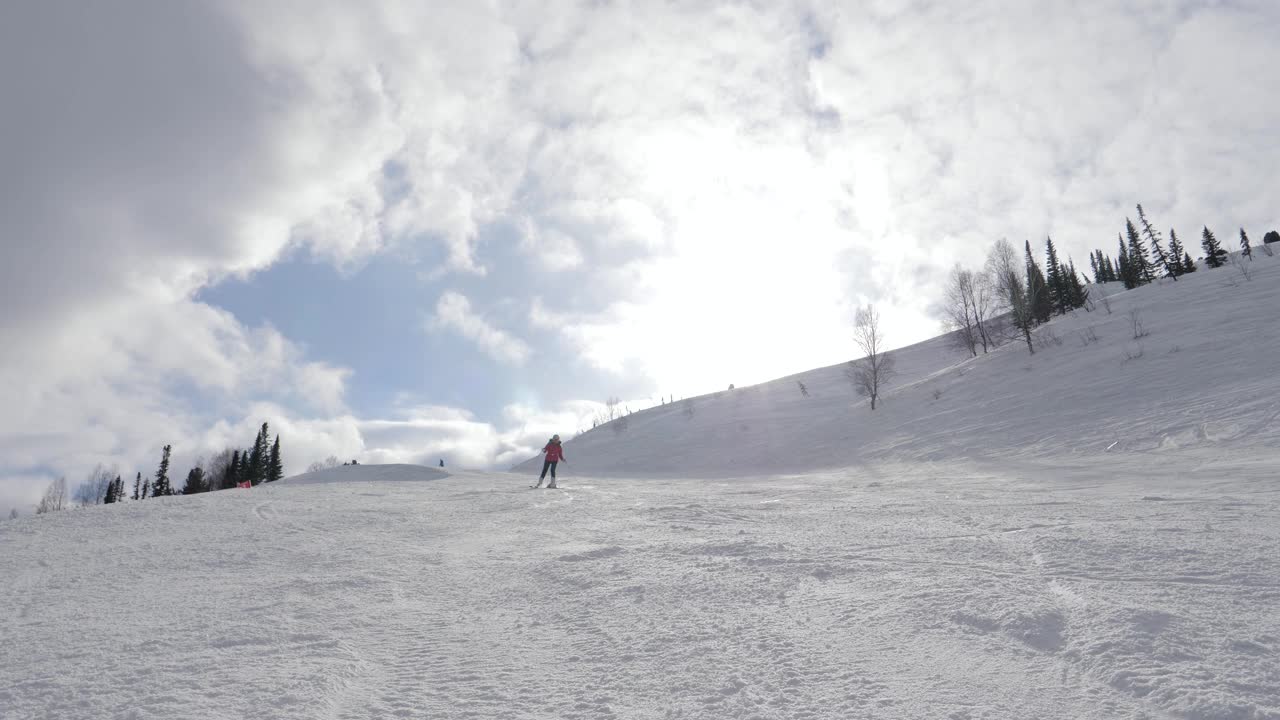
368, 473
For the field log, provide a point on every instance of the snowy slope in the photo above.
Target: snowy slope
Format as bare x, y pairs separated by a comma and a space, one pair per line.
912, 591
368, 474
774, 556
1205, 387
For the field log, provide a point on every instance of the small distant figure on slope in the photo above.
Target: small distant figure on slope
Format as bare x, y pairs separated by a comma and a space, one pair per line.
441, 462
555, 454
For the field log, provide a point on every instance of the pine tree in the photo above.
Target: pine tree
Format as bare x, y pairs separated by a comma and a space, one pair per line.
1126, 272
1139, 264
1079, 293
1188, 265
1245, 250
233, 471
275, 466
1153, 237
1037, 290
146, 489
1093, 263
1059, 292
162, 487
258, 457
252, 467
195, 482
1110, 268
113, 492
1175, 254
137, 487
1214, 255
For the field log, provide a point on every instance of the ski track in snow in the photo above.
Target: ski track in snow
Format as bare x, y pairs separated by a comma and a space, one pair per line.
872, 592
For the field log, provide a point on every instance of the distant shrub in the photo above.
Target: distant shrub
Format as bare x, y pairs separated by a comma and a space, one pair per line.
1135, 324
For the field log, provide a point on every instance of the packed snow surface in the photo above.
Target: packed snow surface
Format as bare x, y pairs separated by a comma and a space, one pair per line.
925, 591
1092, 532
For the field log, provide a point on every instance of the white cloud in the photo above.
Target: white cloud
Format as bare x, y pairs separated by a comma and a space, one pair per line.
724, 180
552, 249
453, 312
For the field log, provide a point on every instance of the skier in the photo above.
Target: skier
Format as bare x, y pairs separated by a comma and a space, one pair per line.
555, 454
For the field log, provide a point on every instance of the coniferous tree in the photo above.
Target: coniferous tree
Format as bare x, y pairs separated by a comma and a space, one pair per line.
252, 468
195, 482
258, 457
1059, 291
1093, 263
275, 466
1163, 262
113, 492
1139, 263
1153, 237
1079, 293
233, 471
146, 489
1188, 265
1214, 255
1126, 271
1176, 252
1245, 250
1110, 268
1037, 290
137, 487
162, 487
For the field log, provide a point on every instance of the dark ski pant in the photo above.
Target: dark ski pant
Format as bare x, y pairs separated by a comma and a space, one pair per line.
547, 464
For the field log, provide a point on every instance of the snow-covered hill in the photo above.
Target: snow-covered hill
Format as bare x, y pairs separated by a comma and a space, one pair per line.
1071, 535
1200, 387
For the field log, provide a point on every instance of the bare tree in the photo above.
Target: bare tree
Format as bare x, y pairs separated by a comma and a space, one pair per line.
55, 497
326, 464
983, 301
94, 489
969, 303
611, 406
871, 373
958, 314
1240, 267
1005, 268
216, 472
1135, 324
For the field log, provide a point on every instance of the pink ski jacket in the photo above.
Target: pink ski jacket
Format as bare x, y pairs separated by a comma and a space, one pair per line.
554, 452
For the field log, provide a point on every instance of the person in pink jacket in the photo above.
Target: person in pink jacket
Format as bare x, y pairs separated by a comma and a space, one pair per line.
555, 454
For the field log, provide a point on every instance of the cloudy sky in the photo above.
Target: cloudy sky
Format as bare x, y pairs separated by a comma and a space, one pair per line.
402, 231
